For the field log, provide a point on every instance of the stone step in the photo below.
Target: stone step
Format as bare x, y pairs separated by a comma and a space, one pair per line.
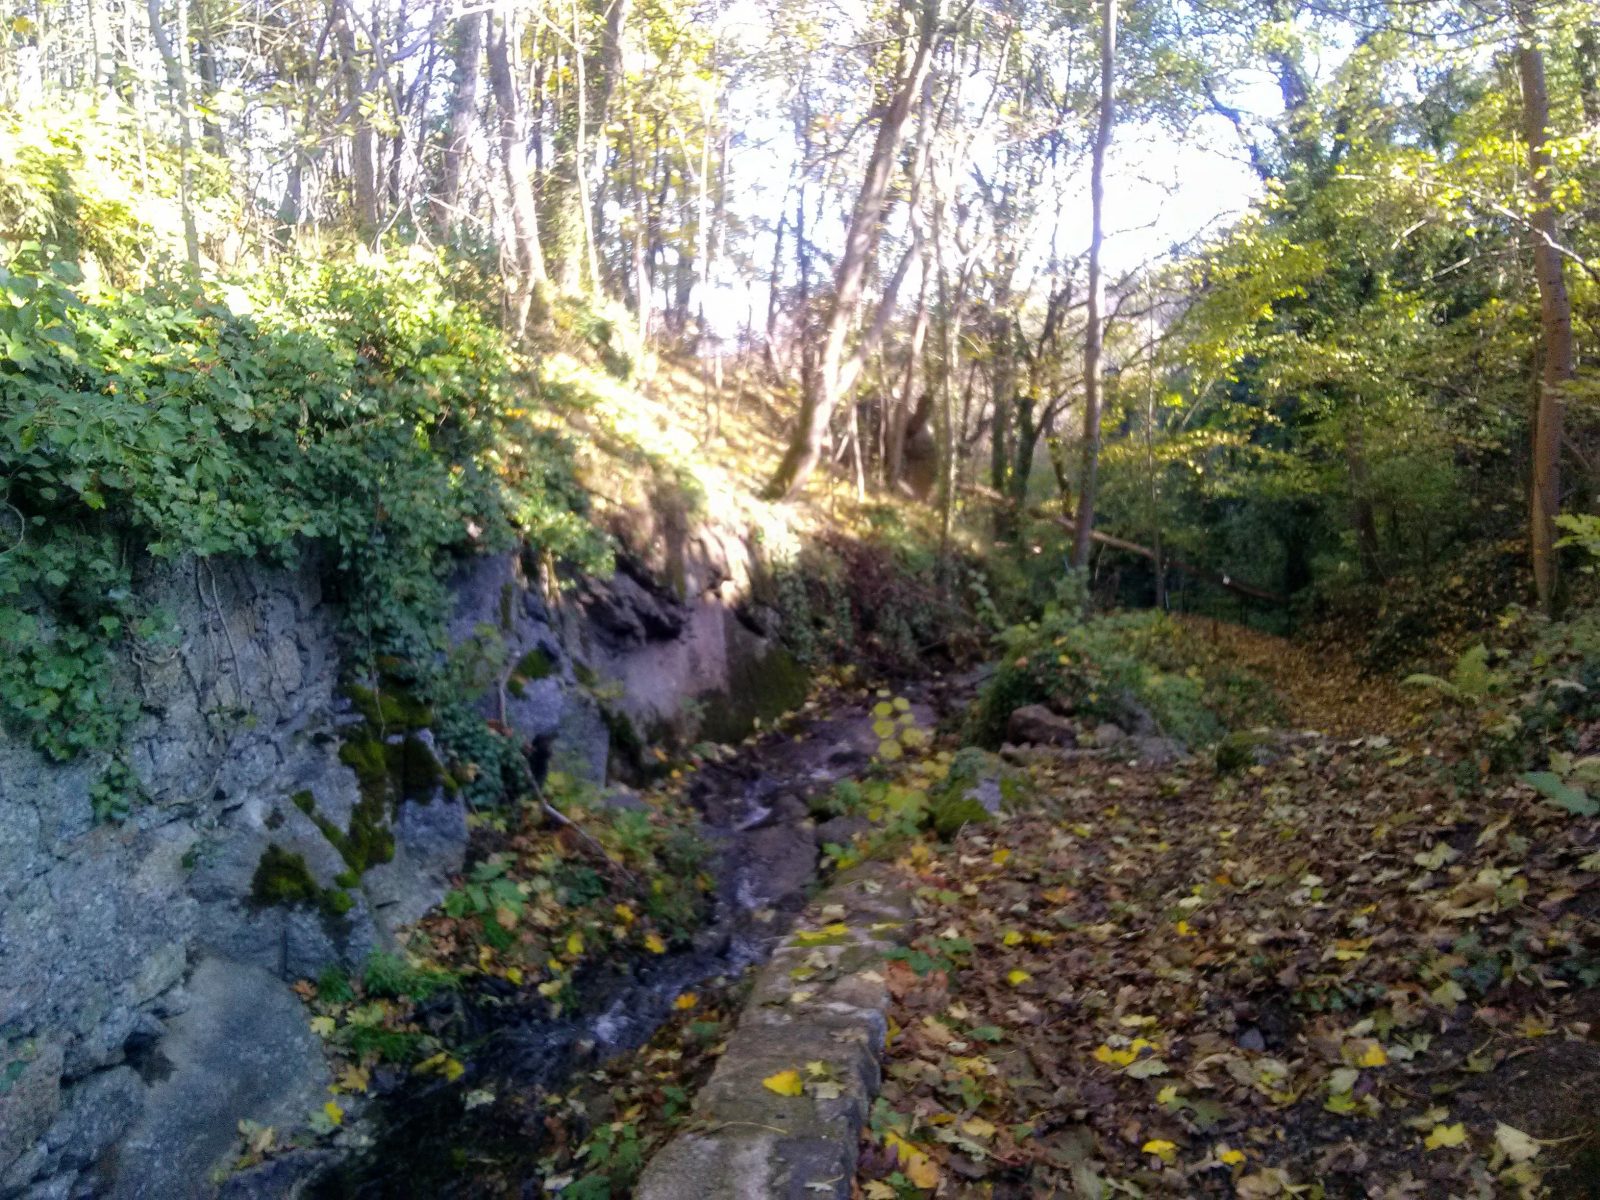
818, 1008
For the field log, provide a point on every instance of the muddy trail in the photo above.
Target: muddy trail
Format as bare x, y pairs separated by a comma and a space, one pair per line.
485, 1131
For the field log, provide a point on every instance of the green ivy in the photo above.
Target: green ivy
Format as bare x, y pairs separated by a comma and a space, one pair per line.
351, 411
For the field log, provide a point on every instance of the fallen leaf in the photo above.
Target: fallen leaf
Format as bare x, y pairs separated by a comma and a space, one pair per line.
1166, 1151
1446, 1136
785, 1083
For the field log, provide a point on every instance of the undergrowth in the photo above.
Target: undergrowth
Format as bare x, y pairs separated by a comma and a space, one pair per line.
1125, 668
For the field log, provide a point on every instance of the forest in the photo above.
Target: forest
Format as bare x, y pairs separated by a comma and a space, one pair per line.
1155, 443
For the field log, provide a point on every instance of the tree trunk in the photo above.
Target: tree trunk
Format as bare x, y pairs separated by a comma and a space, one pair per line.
103, 54
526, 252
1362, 514
1094, 336
603, 77
818, 403
900, 421
463, 113
178, 88
1555, 311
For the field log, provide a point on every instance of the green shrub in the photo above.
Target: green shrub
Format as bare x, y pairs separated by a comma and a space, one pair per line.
1109, 668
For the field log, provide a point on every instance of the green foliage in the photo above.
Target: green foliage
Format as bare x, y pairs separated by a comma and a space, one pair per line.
393, 977
352, 407
1471, 680
1102, 668
112, 796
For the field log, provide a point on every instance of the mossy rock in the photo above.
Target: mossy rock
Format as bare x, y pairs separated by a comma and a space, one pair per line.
1241, 750
531, 668
949, 813
282, 877
392, 709
956, 801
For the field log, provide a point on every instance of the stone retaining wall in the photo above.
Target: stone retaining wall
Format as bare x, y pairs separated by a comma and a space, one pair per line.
818, 1009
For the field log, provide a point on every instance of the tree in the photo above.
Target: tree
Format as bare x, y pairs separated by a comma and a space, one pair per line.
1094, 335
861, 239
1555, 309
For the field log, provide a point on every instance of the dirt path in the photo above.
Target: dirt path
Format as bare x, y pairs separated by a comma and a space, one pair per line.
1322, 688
1348, 970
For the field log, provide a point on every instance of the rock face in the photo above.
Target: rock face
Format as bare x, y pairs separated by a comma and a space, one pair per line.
145, 1006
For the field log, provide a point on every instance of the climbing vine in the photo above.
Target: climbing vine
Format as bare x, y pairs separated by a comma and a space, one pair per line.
353, 411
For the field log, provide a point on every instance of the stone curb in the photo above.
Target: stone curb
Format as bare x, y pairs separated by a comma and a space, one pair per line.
822, 999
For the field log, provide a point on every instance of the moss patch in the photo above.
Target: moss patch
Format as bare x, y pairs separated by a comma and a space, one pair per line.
390, 708
760, 686
282, 878
531, 667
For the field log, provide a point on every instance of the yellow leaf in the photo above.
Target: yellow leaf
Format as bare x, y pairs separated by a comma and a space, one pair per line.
977, 1127
1167, 1094
921, 1170
323, 1027
1114, 1058
1185, 929
353, 1078
514, 975
441, 1064
574, 943
686, 1001
1017, 978
1232, 1157
1012, 938
624, 914
654, 944
335, 1113
784, 1083
1373, 1056
1001, 856
1166, 1151
1446, 1136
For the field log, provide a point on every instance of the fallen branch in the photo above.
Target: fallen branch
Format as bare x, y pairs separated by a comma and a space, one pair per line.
566, 822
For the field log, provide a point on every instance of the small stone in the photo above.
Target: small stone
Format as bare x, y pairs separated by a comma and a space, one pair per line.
1034, 724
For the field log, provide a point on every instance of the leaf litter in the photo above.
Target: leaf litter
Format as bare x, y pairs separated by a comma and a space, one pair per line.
1352, 970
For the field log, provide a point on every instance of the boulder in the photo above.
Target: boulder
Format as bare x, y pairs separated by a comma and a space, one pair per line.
242, 1050
1034, 724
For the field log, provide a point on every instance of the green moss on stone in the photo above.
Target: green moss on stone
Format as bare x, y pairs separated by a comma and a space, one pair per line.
531, 667
392, 709
760, 686
282, 877
305, 802
365, 756
1237, 751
